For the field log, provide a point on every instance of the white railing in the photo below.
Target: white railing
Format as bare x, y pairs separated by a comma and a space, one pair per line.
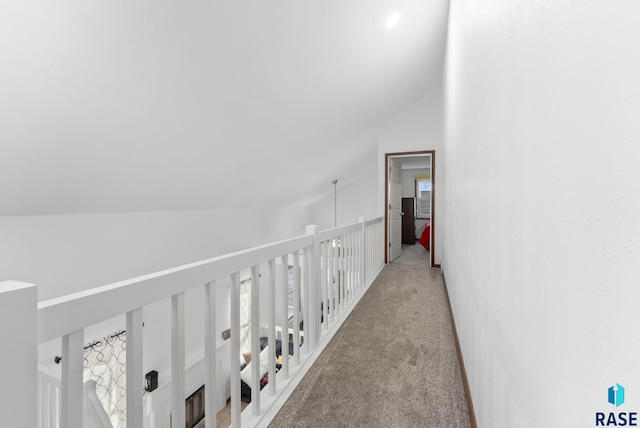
332, 269
48, 400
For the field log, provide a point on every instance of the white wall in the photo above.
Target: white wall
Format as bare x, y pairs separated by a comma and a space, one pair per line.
409, 181
542, 201
67, 253
355, 198
416, 128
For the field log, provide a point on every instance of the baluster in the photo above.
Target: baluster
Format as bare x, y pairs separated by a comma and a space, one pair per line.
350, 266
323, 285
284, 320
72, 390
134, 373
305, 289
374, 249
177, 361
255, 339
210, 356
348, 282
357, 240
345, 264
44, 397
312, 266
271, 265
235, 350
380, 249
350, 269
367, 249
296, 308
342, 268
305, 292
56, 405
51, 405
363, 246
358, 245
336, 276
331, 310
353, 264
367, 252
354, 271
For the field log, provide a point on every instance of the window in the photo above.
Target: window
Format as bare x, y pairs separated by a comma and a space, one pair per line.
423, 197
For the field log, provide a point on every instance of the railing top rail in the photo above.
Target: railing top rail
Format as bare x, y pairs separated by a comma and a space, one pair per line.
374, 221
63, 315
325, 235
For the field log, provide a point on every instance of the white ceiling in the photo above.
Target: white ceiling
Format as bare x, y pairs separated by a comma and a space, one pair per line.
415, 162
114, 105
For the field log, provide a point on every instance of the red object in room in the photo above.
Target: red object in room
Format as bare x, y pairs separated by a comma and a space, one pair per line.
426, 236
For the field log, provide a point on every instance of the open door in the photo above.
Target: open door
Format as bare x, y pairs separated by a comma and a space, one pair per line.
395, 164
395, 209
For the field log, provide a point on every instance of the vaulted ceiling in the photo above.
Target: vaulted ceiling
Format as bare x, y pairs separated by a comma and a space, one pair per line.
162, 105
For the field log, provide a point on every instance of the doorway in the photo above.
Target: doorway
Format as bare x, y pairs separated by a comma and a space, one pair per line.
398, 168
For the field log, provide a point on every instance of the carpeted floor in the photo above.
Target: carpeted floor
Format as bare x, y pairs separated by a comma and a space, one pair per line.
393, 363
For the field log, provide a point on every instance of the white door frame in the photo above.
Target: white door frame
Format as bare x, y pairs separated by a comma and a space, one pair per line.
386, 199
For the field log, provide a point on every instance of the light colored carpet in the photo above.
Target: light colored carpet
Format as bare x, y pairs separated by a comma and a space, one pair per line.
393, 363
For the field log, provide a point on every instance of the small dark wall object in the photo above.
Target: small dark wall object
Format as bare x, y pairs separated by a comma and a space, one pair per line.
151, 381
226, 334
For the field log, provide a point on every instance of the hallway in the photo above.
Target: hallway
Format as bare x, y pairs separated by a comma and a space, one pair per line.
404, 372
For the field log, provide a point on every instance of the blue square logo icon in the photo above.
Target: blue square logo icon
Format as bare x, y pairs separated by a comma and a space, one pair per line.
616, 395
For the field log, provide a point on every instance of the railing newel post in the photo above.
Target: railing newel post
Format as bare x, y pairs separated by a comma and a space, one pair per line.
18, 361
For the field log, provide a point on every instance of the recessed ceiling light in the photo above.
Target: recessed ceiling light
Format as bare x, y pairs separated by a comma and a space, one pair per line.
392, 21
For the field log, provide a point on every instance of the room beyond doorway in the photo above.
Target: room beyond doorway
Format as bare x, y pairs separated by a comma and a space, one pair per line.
409, 174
